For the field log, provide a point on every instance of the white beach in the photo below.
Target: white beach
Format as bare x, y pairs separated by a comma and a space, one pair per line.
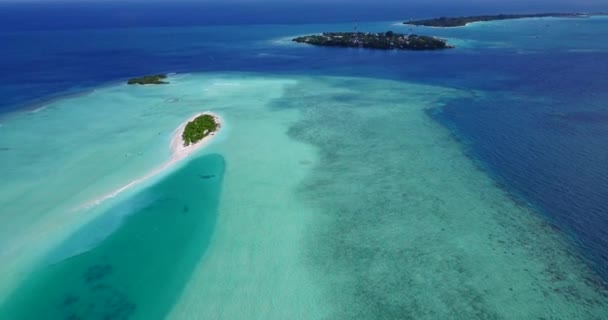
178, 153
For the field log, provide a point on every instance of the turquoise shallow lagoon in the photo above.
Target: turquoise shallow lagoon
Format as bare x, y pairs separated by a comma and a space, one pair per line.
141, 267
321, 198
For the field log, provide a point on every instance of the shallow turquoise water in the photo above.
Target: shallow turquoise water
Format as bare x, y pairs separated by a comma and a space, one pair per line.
411, 228
138, 271
321, 198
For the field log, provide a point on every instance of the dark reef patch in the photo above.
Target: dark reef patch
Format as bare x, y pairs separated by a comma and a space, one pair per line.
97, 272
388, 241
140, 268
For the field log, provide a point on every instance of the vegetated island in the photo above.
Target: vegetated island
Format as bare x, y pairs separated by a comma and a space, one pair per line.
199, 128
448, 22
153, 79
385, 40
192, 135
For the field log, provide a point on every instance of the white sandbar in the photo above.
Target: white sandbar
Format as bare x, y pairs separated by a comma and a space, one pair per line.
178, 153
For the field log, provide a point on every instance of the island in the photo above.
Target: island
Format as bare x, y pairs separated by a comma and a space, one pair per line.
191, 136
153, 79
448, 22
384, 40
199, 128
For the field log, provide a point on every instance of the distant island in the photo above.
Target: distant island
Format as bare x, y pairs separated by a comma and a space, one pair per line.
153, 79
384, 40
447, 22
199, 128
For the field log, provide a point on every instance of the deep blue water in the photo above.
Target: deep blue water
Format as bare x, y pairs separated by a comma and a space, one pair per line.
548, 142
537, 120
74, 14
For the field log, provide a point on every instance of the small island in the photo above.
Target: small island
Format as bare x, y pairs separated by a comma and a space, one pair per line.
384, 41
199, 128
449, 22
153, 79
192, 135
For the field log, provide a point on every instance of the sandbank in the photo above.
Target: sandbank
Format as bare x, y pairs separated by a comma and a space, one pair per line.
179, 152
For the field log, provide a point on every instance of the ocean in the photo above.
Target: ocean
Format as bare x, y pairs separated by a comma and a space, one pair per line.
470, 183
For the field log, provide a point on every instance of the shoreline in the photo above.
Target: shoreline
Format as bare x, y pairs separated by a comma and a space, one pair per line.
178, 153
178, 150
467, 24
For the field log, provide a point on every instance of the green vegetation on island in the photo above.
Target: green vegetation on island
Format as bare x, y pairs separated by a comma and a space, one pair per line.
447, 22
384, 40
153, 79
199, 128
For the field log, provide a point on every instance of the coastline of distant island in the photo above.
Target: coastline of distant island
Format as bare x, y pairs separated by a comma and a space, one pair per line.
450, 22
384, 41
152, 79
